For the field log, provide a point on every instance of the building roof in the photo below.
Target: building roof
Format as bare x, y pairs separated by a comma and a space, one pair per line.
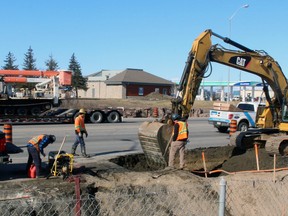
131, 75
103, 75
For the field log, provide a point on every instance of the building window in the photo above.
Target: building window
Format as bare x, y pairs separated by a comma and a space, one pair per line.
157, 90
141, 91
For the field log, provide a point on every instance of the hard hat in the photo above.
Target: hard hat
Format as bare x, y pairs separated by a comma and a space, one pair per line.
175, 116
82, 111
52, 138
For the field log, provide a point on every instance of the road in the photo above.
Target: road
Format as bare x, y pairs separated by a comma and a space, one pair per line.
107, 139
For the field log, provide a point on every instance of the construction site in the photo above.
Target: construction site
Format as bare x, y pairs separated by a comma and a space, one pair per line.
243, 176
127, 184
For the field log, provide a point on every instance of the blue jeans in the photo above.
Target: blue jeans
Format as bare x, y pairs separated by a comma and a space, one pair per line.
34, 155
78, 140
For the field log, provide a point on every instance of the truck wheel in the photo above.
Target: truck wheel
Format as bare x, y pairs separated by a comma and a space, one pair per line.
113, 117
222, 129
243, 126
96, 117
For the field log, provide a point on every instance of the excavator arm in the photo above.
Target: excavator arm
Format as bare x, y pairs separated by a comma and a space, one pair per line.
154, 138
245, 59
193, 74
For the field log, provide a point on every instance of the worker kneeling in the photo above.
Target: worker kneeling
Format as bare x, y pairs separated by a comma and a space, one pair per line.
36, 146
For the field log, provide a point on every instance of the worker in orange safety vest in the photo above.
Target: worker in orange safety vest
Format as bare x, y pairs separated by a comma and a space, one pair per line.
179, 141
36, 146
80, 129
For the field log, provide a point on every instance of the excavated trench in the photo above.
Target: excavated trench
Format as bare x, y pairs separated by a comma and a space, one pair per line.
219, 160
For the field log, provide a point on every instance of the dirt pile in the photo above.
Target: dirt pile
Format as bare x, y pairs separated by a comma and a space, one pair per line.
139, 106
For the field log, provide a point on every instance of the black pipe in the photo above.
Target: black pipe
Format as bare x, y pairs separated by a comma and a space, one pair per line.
186, 72
233, 43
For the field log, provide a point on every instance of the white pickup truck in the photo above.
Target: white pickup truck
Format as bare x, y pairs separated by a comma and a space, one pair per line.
244, 113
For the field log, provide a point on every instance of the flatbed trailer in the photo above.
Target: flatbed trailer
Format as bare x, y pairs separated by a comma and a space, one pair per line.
64, 115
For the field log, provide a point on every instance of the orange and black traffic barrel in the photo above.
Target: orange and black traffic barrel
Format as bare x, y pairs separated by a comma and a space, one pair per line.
233, 127
8, 132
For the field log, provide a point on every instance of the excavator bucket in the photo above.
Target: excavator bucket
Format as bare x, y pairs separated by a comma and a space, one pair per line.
155, 138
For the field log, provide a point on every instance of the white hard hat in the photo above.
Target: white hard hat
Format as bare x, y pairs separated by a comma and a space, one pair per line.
82, 111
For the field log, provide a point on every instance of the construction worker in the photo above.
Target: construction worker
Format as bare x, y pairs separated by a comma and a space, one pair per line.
179, 140
36, 146
80, 129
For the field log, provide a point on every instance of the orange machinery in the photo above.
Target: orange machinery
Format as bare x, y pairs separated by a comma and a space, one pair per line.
24, 101
24, 76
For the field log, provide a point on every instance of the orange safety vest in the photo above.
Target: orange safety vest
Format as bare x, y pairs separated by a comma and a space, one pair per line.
183, 130
36, 140
79, 124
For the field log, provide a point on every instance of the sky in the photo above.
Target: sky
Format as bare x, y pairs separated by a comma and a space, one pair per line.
153, 35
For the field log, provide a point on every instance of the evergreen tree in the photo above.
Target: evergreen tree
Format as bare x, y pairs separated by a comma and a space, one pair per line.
51, 64
9, 62
29, 61
78, 81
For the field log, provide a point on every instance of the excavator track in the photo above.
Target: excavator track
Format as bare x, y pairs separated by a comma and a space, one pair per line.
154, 139
244, 140
275, 142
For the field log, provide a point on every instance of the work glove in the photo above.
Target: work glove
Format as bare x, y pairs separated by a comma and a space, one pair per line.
86, 134
80, 134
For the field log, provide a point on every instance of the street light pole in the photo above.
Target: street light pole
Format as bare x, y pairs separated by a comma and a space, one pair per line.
230, 30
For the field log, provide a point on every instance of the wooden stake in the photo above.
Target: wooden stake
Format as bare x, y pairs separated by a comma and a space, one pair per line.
204, 163
274, 169
257, 157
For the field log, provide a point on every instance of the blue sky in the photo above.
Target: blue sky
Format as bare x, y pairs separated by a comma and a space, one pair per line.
153, 35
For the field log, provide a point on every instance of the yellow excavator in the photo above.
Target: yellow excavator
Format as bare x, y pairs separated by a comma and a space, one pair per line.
272, 121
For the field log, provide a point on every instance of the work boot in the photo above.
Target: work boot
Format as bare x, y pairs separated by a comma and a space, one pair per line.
73, 151
85, 155
83, 151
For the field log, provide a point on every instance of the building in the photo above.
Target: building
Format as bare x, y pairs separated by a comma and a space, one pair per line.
124, 84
